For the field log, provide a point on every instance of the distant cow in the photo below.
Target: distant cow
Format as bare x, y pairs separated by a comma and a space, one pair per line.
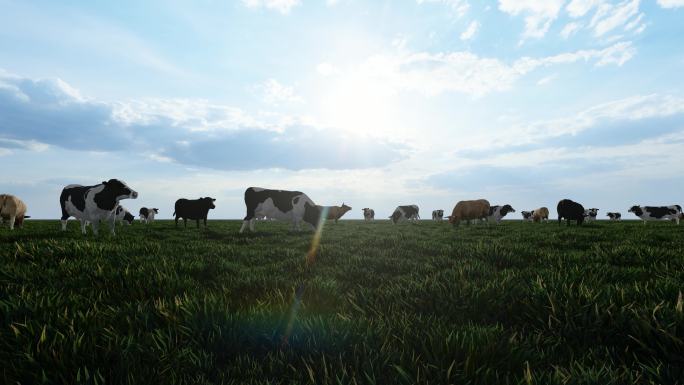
409, 213
368, 214
94, 203
147, 214
12, 209
496, 213
335, 212
614, 216
527, 215
590, 215
540, 214
292, 206
469, 210
193, 209
652, 213
437, 215
570, 211
123, 216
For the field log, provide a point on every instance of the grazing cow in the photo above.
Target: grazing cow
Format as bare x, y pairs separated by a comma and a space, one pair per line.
614, 216
437, 215
123, 216
293, 206
94, 203
540, 214
571, 211
368, 214
652, 213
496, 213
335, 212
469, 210
409, 213
527, 215
590, 215
12, 209
147, 214
196, 209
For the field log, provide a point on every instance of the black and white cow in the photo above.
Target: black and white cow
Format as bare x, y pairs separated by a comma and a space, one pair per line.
590, 215
147, 214
527, 215
94, 203
437, 215
123, 216
292, 206
652, 213
496, 213
368, 214
409, 213
614, 216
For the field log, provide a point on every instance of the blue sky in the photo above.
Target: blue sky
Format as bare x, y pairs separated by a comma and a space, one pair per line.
371, 103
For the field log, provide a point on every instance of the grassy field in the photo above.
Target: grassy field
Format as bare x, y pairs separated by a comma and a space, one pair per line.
517, 303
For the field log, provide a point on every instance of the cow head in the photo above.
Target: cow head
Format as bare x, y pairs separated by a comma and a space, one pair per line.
636, 210
507, 209
591, 212
156, 211
345, 208
208, 202
526, 214
396, 215
119, 190
128, 218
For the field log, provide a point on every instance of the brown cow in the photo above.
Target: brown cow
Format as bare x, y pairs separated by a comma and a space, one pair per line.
540, 214
12, 209
469, 210
335, 212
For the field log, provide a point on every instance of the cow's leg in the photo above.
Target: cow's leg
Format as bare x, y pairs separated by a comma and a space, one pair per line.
112, 223
185, 223
83, 223
176, 219
11, 222
205, 221
197, 221
95, 224
244, 226
251, 224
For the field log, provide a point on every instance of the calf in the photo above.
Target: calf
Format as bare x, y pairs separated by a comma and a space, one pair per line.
408, 213
469, 210
527, 215
194, 209
293, 206
496, 213
437, 215
652, 213
94, 203
571, 211
590, 215
614, 216
123, 216
147, 214
540, 214
335, 212
12, 209
368, 214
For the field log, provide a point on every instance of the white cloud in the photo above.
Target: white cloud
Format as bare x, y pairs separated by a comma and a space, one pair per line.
470, 31
579, 8
275, 93
539, 14
459, 7
671, 3
282, 6
570, 29
546, 80
609, 17
326, 69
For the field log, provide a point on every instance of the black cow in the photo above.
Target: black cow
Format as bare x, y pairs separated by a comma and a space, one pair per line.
193, 209
571, 211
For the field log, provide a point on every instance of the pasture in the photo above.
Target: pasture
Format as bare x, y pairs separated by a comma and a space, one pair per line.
518, 303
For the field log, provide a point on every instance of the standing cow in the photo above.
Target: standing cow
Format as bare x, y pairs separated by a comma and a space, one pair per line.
12, 209
147, 214
335, 212
437, 215
469, 210
123, 216
571, 211
540, 214
496, 213
614, 216
405, 213
368, 214
652, 213
94, 203
293, 206
590, 215
193, 209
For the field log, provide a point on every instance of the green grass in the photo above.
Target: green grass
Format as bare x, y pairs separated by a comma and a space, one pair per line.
516, 303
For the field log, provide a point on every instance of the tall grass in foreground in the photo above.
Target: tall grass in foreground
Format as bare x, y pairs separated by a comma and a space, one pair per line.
517, 303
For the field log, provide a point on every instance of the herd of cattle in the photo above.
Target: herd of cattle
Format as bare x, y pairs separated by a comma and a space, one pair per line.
100, 203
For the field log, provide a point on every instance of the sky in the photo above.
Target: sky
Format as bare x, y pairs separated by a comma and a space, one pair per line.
371, 103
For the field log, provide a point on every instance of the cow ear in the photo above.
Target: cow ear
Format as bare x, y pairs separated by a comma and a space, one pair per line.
104, 182
213, 200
